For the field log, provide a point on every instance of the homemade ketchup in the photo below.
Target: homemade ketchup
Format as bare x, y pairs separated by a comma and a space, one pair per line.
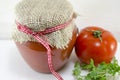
35, 54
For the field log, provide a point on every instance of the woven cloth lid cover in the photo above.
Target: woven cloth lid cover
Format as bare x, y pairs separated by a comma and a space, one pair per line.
42, 14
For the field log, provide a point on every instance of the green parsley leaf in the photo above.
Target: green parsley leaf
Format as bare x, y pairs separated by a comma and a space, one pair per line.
77, 71
103, 71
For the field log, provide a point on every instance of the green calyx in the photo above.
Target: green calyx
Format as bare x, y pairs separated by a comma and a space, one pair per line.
97, 34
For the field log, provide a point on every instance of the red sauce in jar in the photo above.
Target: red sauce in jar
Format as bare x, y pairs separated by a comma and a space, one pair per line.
35, 54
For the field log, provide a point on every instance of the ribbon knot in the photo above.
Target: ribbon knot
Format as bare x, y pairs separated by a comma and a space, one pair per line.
43, 41
34, 33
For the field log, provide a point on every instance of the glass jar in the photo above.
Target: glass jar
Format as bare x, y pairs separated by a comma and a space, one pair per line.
45, 33
35, 54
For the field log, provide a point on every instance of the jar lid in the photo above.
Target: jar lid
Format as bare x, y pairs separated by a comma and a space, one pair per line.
41, 14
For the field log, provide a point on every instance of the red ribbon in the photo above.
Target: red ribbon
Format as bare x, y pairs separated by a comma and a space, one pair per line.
29, 31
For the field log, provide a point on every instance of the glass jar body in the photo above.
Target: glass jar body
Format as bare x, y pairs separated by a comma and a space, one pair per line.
35, 54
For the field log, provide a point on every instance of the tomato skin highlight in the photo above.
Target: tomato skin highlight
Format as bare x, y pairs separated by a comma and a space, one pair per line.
89, 47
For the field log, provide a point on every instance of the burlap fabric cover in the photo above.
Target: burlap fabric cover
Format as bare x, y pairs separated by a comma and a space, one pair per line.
42, 14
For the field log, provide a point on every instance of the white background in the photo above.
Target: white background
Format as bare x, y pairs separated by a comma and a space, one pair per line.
103, 13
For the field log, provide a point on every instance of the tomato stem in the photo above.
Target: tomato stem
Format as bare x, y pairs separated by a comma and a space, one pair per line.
96, 34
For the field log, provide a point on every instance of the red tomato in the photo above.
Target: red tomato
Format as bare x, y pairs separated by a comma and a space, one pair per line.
95, 43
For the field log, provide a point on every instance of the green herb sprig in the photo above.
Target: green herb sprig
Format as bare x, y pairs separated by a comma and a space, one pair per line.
103, 71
